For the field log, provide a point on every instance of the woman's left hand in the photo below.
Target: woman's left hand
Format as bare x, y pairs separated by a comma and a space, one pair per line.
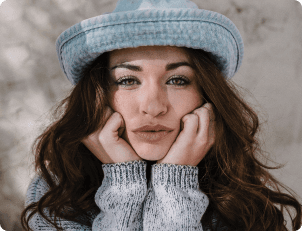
195, 140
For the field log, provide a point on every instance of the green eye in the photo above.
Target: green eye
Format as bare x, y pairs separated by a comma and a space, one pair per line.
127, 81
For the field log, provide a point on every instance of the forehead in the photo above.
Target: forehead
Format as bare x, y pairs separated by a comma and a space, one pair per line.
167, 54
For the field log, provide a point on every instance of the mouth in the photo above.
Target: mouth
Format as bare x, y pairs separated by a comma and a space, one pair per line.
152, 136
153, 128
154, 131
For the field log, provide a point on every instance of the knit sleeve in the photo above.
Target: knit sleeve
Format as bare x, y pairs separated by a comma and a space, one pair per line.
121, 196
37, 188
174, 200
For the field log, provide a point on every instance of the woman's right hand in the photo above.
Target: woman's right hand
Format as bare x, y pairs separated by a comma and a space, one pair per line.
106, 143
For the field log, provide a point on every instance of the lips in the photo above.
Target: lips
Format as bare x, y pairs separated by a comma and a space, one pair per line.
150, 128
152, 137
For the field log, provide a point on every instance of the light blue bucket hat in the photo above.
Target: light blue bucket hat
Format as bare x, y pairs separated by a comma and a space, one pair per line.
136, 23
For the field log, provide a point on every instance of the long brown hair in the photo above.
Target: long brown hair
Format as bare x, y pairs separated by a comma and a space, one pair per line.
243, 195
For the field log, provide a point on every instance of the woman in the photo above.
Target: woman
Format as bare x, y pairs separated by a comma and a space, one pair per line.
153, 135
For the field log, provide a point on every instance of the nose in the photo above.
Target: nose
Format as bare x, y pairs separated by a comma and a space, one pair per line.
154, 100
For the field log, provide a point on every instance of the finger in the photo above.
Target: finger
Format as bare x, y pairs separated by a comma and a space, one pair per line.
212, 118
90, 138
121, 129
93, 144
110, 130
108, 112
204, 121
209, 107
190, 125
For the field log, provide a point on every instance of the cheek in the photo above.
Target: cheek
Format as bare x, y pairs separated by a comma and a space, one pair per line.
179, 103
185, 102
123, 104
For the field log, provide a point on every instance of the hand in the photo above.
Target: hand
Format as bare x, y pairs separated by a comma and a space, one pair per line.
106, 143
195, 140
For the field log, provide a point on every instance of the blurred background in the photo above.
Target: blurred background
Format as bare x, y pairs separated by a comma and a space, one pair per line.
32, 83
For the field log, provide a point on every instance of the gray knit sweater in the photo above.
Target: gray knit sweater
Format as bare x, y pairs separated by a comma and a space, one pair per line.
172, 201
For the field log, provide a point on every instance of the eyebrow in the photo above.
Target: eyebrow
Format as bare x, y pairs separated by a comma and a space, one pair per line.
169, 67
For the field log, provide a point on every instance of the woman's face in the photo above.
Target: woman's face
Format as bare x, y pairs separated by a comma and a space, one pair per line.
156, 85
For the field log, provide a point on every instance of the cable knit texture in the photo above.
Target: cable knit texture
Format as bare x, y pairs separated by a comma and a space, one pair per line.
172, 201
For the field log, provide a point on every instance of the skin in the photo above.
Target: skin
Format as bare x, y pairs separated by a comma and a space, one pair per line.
150, 97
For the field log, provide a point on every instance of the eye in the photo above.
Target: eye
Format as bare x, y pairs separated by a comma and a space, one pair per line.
178, 81
129, 80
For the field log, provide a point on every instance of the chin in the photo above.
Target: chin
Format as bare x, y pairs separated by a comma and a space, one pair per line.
151, 156
150, 151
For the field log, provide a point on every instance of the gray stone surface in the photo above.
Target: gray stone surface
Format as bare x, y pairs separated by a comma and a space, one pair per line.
31, 81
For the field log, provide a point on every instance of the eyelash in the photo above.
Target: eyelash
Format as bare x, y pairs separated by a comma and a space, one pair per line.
122, 79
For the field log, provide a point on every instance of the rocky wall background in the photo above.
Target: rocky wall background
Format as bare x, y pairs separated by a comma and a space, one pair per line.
32, 83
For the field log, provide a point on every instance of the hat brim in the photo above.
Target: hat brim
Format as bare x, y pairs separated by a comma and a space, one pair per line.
80, 45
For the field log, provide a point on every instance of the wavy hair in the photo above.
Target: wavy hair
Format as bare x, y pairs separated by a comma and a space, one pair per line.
243, 194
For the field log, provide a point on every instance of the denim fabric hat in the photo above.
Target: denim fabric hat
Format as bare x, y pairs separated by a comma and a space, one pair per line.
136, 23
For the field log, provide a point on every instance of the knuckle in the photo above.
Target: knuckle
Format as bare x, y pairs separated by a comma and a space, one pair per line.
209, 113
192, 117
207, 106
206, 110
117, 115
186, 117
196, 117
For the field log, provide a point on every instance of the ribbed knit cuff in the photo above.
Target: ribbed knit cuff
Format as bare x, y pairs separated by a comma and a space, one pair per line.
125, 173
182, 176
